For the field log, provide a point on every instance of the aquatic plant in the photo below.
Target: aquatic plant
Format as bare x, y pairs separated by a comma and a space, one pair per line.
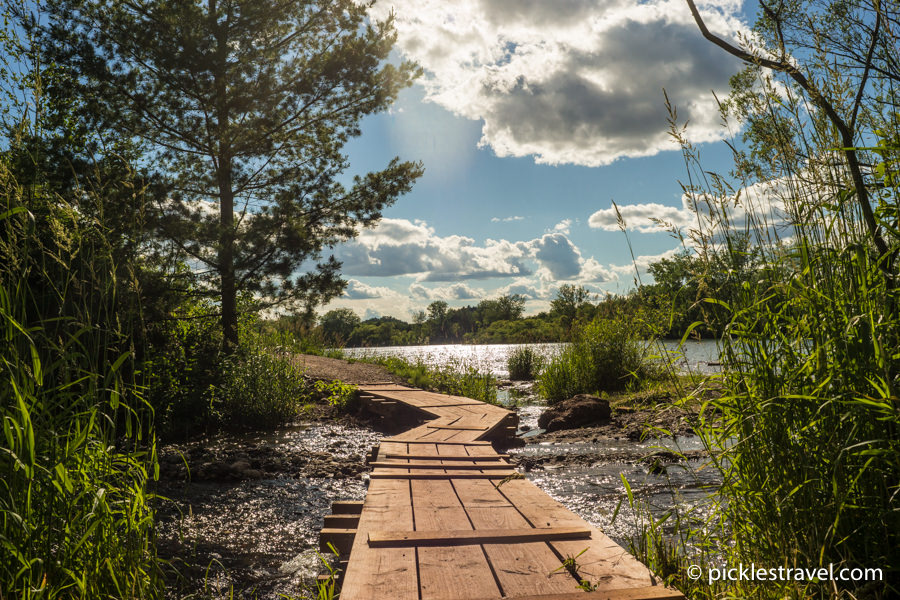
524, 363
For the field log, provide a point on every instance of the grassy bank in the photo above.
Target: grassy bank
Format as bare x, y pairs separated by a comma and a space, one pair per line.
454, 377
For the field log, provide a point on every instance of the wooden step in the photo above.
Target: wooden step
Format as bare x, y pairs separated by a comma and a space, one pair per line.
347, 507
497, 475
341, 521
340, 538
493, 457
656, 592
468, 537
454, 466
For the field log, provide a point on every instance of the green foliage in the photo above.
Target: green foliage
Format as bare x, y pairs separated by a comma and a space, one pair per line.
454, 377
606, 355
806, 438
524, 363
248, 120
337, 393
78, 449
338, 325
259, 388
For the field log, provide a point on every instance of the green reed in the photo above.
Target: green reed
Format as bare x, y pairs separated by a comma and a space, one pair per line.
807, 435
77, 449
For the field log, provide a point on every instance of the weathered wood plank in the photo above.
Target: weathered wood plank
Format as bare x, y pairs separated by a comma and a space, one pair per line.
398, 475
642, 593
448, 573
438, 465
420, 456
462, 537
603, 562
347, 507
385, 572
523, 569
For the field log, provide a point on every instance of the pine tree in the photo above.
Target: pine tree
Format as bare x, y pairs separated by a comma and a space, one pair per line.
245, 106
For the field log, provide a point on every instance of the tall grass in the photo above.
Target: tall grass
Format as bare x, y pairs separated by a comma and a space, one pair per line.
524, 363
455, 377
77, 449
807, 435
605, 355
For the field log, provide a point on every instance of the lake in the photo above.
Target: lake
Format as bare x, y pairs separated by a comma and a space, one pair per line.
696, 356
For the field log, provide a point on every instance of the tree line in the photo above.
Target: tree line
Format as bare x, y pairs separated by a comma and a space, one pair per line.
674, 304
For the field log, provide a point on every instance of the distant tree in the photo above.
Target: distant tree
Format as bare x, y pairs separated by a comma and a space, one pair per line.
568, 299
246, 105
338, 324
437, 318
504, 308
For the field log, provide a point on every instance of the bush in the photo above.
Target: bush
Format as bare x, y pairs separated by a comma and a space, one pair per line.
524, 363
607, 355
259, 389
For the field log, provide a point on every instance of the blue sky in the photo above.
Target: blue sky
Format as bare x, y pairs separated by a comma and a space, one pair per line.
531, 118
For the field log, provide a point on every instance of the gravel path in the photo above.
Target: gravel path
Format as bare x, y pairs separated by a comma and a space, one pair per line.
319, 367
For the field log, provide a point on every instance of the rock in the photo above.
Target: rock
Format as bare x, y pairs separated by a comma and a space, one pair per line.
578, 411
252, 474
238, 467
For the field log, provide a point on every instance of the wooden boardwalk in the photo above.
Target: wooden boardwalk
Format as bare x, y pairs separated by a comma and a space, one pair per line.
447, 518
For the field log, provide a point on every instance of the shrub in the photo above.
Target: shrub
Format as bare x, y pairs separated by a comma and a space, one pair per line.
259, 389
524, 363
607, 355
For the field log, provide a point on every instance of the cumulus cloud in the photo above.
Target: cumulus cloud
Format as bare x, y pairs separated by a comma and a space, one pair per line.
762, 201
398, 247
558, 256
570, 81
357, 290
644, 218
507, 219
401, 247
456, 291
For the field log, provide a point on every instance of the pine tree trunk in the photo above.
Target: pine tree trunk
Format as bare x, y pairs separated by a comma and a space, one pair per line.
226, 193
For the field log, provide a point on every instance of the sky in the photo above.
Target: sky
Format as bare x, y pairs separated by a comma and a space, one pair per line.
531, 118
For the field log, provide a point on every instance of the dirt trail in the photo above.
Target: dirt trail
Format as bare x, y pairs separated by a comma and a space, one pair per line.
320, 367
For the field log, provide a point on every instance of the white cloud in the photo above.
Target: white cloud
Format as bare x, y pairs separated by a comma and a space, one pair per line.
398, 247
357, 290
570, 81
506, 219
456, 291
644, 218
763, 202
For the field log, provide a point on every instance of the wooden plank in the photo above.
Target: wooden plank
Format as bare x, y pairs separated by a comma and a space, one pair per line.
603, 562
465, 443
438, 465
459, 427
447, 573
384, 572
522, 569
495, 475
446, 457
347, 507
643, 593
341, 539
463, 537
449, 405
341, 521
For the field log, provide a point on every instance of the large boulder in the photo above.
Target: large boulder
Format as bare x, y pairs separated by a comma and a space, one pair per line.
578, 411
